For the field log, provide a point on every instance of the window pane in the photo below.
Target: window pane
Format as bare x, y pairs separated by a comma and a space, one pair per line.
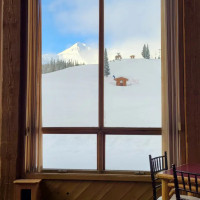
70, 151
132, 78
70, 63
128, 152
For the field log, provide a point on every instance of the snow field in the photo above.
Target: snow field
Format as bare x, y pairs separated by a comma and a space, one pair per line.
70, 99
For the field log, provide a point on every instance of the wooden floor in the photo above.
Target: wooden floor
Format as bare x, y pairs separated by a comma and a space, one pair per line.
95, 190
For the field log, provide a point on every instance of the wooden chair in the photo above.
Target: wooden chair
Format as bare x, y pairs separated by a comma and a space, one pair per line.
187, 182
157, 164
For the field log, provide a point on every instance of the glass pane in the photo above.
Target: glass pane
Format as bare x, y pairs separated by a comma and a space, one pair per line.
69, 151
70, 63
128, 152
132, 71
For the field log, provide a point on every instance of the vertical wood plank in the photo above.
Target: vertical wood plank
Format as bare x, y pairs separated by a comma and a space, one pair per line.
10, 96
192, 80
1, 69
181, 83
164, 74
23, 93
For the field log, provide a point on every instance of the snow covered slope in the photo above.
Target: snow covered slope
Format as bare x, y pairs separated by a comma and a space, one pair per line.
70, 96
70, 99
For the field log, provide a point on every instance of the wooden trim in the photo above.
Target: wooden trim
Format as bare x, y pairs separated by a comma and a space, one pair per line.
33, 122
101, 63
132, 131
100, 151
101, 131
109, 131
23, 91
85, 171
65, 130
27, 181
39, 91
1, 69
181, 83
171, 108
89, 176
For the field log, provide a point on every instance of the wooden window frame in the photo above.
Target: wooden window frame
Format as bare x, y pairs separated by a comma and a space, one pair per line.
34, 138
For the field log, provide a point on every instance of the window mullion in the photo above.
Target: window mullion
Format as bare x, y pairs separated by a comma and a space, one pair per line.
101, 64
100, 135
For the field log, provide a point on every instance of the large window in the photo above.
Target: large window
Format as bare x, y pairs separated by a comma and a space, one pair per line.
101, 84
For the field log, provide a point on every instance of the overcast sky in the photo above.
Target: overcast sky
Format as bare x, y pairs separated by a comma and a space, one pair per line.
129, 24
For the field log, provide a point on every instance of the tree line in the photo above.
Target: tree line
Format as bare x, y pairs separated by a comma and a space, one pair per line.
55, 65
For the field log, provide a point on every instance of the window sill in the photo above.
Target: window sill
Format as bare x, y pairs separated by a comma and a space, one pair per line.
105, 176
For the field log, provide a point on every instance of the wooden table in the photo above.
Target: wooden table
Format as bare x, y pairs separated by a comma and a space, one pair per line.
167, 176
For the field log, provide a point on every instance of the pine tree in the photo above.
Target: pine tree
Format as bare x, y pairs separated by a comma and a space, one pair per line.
144, 51
147, 52
106, 64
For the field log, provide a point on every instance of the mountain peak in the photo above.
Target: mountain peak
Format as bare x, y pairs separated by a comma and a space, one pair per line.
79, 46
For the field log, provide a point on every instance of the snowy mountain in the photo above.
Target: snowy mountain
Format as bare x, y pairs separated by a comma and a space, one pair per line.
79, 52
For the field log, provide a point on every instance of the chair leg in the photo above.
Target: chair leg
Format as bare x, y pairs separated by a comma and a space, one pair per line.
154, 195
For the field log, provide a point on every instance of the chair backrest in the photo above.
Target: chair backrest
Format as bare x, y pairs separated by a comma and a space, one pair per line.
187, 182
157, 164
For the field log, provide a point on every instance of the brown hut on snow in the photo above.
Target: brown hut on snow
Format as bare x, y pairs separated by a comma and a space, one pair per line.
121, 81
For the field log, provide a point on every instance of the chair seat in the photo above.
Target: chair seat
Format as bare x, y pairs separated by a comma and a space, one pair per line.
185, 197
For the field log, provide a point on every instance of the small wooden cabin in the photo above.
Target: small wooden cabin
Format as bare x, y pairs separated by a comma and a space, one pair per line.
121, 81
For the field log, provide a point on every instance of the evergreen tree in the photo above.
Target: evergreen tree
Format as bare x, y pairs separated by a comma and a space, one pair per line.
106, 64
147, 52
144, 51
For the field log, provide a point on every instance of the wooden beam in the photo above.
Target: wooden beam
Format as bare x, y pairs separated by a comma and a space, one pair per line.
109, 131
192, 80
1, 67
10, 96
97, 177
181, 83
23, 91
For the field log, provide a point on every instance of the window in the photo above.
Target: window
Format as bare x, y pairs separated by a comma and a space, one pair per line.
101, 84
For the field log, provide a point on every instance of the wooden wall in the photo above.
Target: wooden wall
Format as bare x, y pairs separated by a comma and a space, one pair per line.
192, 79
10, 96
1, 34
95, 190
10, 70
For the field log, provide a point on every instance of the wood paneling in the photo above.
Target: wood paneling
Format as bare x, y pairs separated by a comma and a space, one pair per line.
181, 84
1, 72
170, 80
95, 190
192, 79
10, 96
